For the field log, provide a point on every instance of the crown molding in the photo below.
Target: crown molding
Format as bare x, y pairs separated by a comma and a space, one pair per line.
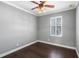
56, 11
41, 14
13, 5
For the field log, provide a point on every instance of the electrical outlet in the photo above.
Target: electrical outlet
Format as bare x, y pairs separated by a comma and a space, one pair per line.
17, 44
48, 39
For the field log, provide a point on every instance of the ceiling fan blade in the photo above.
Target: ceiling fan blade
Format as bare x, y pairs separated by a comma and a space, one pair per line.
34, 2
34, 8
50, 6
42, 2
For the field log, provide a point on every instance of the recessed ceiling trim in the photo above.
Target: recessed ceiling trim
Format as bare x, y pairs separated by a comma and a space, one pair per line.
18, 7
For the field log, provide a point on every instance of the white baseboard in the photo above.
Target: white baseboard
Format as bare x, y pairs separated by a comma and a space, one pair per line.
9, 52
16, 49
77, 53
57, 45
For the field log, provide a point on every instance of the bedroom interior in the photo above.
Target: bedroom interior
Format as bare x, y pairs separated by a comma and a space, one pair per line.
39, 29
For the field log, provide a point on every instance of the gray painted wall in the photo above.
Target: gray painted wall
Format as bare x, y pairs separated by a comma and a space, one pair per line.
77, 28
69, 28
15, 26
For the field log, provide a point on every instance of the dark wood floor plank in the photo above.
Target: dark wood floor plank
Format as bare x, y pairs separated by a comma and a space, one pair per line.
42, 50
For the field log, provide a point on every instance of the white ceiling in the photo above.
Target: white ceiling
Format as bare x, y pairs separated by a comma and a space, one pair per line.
59, 6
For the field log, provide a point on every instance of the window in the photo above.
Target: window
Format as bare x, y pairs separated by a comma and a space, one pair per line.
56, 26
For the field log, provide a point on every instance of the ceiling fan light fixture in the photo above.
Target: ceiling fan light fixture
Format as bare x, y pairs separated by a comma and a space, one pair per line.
41, 10
41, 6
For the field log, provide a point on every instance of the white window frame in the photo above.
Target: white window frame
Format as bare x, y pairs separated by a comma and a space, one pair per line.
52, 25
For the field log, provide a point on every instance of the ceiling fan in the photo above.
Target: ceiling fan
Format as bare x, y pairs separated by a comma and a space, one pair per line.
41, 5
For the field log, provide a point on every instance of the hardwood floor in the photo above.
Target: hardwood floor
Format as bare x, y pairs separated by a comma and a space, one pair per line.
42, 50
